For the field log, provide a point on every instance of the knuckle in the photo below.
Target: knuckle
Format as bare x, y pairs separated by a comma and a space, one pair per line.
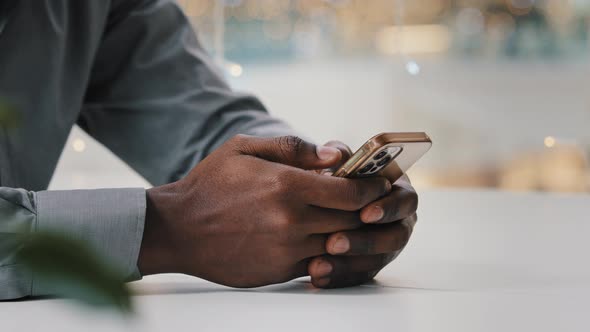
282, 227
355, 196
274, 186
290, 221
289, 146
239, 138
286, 221
240, 143
283, 181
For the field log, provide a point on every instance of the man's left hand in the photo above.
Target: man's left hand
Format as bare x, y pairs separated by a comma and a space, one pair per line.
356, 256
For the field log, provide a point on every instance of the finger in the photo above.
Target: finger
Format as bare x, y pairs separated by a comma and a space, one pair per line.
401, 203
344, 150
343, 194
312, 246
300, 269
381, 239
289, 150
333, 192
316, 220
340, 271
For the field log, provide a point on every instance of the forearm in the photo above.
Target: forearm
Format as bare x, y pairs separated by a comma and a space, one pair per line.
110, 221
163, 109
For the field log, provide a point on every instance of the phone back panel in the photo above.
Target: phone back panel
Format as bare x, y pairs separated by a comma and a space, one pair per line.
388, 154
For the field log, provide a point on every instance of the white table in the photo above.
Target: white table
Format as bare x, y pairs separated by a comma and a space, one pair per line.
479, 261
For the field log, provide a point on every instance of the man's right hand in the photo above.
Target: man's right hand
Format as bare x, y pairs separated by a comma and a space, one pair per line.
250, 214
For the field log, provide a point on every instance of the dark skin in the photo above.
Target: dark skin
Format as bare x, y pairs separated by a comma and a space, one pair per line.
252, 214
355, 257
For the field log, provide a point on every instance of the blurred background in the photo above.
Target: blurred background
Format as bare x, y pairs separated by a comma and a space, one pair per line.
501, 86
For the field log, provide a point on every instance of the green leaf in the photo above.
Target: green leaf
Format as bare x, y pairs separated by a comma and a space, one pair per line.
71, 269
8, 115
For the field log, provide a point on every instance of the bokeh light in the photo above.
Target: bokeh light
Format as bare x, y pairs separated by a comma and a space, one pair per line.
78, 145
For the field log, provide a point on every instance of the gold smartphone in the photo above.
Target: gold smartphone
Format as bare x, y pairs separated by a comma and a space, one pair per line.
388, 154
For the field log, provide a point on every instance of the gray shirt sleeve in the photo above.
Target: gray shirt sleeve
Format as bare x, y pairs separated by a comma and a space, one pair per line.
156, 99
109, 220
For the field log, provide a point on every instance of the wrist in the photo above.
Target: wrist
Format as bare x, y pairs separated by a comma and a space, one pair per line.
157, 253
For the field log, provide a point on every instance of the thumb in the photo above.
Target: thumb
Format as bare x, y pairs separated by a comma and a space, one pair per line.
344, 150
289, 150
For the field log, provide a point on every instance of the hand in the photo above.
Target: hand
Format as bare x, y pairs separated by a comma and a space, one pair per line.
250, 214
356, 256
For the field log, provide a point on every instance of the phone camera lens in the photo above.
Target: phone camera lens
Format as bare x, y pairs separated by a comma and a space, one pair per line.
384, 161
366, 168
380, 155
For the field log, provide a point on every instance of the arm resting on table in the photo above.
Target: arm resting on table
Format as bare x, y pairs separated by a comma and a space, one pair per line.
111, 221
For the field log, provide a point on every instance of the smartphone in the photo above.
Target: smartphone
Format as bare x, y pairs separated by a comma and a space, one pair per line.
388, 154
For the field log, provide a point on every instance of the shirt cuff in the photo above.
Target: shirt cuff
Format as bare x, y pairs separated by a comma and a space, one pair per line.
111, 221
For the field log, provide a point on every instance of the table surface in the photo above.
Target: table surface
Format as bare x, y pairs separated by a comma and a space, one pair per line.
478, 261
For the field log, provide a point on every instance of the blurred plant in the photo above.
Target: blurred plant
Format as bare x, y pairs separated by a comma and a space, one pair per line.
8, 116
70, 268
